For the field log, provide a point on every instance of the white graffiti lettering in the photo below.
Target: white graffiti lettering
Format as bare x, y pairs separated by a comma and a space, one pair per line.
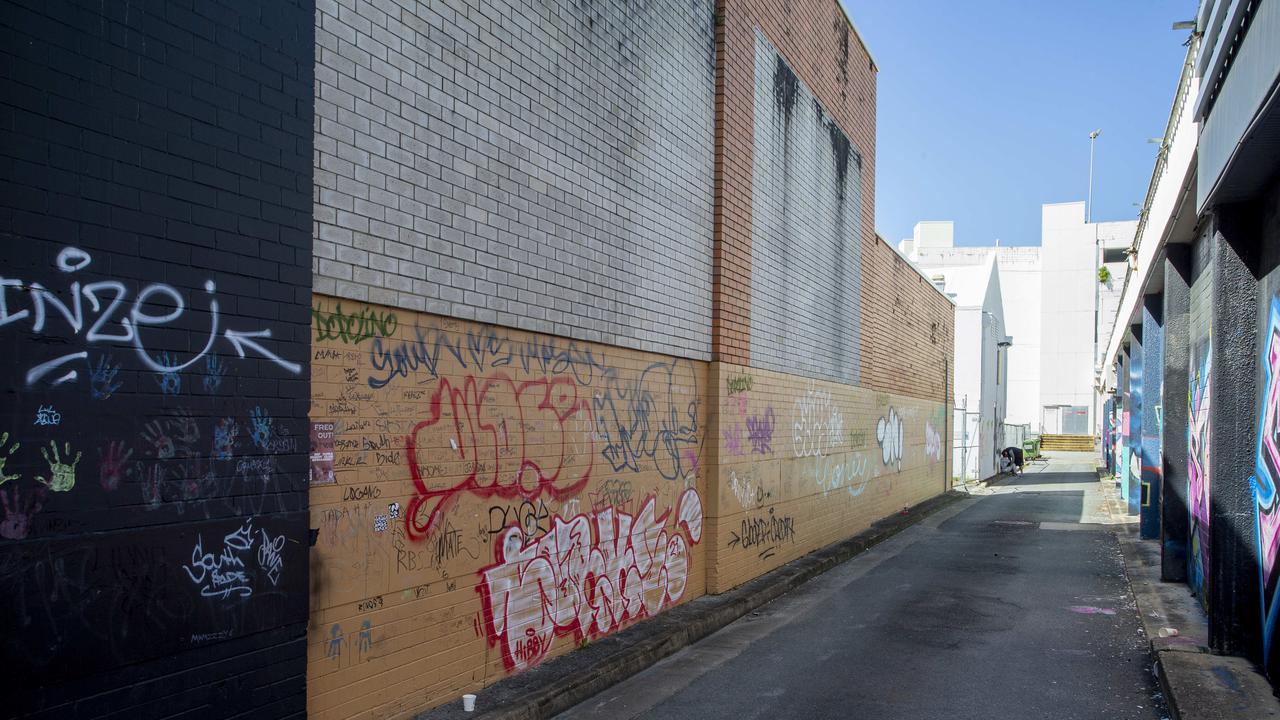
588, 576
817, 423
155, 305
932, 442
889, 435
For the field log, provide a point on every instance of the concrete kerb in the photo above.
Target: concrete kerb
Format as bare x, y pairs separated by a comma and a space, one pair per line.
565, 681
1197, 684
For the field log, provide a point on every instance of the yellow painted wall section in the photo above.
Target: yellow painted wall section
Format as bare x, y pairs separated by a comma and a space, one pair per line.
493, 498
796, 464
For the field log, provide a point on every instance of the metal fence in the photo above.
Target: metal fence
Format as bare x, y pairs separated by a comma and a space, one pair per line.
965, 444
1013, 435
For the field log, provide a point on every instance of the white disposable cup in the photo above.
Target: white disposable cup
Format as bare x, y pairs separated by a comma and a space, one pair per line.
469, 702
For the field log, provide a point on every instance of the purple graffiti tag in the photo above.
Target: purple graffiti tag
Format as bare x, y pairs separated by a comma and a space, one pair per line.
760, 432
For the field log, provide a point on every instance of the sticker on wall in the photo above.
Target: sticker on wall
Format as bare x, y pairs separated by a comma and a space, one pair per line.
322, 454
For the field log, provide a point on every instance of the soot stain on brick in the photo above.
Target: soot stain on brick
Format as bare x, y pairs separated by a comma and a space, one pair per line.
842, 150
786, 86
842, 32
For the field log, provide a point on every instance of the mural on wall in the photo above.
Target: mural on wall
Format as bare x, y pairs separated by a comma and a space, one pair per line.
1198, 480
148, 470
505, 494
1267, 474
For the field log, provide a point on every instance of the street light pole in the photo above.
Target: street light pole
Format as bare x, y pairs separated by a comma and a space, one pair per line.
1088, 206
1097, 292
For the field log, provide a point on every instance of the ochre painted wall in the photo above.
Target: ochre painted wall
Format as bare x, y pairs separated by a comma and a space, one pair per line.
798, 464
464, 455
475, 467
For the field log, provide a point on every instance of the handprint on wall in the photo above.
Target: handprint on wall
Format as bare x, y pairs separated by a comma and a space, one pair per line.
152, 477
260, 427
170, 382
102, 378
4, 458
214, 369
17, 516
62, 476
153, 433
185, 432
112, 467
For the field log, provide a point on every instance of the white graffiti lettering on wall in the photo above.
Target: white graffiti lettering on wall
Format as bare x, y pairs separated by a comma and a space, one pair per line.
932, 442
587, 576
849, 471
746, 488
225, 574
46, 415
818, 425
889, 435
117, 321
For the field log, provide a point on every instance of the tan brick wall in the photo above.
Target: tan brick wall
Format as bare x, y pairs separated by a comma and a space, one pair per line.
798, 464
462, 451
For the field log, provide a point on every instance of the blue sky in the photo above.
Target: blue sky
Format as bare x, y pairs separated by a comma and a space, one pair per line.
985, 108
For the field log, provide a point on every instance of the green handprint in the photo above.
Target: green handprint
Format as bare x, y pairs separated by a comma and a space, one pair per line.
63, 475
4, 457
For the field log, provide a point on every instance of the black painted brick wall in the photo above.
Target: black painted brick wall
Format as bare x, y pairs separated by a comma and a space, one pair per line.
156, 170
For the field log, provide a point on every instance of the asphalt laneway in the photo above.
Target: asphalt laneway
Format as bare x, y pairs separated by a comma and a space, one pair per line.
1012, 604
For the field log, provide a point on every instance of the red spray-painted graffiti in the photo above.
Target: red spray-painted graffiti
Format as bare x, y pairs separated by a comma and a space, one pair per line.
491, 425
589, 576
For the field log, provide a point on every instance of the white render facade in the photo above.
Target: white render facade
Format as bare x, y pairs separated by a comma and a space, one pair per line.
981, 366
1056, 285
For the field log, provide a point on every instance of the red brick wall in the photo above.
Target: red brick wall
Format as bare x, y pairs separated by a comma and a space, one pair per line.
906, 324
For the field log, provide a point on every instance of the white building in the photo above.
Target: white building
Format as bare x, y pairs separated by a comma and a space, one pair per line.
1056, 304
981, 365
933, 249
1072, 252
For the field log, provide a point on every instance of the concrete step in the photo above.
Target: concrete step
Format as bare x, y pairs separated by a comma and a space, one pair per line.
1076, 443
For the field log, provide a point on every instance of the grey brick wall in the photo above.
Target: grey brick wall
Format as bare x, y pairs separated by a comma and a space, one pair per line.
542, 165
806, 214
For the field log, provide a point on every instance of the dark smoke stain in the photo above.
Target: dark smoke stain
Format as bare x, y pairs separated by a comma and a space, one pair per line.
843, 151
842, 29
786, 86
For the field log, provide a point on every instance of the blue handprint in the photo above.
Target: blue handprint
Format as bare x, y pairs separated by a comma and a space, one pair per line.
260, 429
102, 378
170, 382
214, 369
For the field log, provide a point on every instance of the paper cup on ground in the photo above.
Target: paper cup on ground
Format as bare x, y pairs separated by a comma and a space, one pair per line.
469, 702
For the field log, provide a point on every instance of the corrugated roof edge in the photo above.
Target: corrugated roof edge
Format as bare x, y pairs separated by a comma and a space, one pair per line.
865, 48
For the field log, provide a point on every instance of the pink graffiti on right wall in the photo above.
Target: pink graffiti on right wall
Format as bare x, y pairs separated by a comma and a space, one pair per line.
1267, 472
589, 576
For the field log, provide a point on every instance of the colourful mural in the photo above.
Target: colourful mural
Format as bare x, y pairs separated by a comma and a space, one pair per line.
1198, 470
1267, 516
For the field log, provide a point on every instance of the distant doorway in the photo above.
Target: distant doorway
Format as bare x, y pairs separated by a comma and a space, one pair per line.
1065, 420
